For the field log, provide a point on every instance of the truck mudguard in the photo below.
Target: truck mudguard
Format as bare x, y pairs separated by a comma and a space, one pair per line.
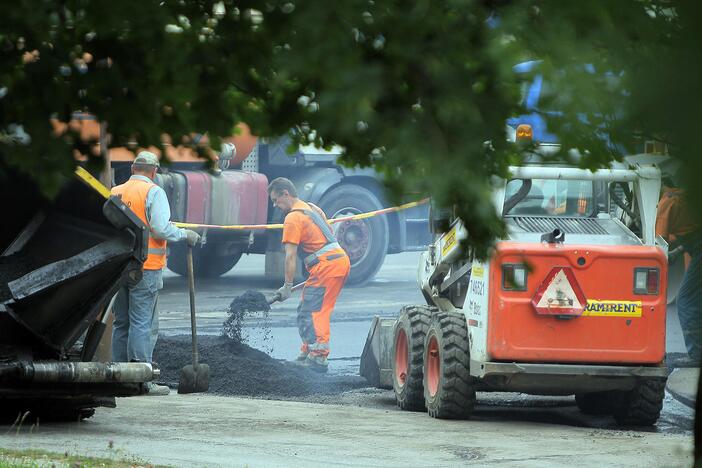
314, 182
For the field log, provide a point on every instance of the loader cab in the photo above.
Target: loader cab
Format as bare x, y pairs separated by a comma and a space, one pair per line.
582, 206
542, 197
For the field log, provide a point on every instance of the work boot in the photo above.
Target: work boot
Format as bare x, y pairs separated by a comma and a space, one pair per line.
302, 356
156, 390
317, 363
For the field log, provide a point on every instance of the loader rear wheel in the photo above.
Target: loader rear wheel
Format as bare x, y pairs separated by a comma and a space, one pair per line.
449, 389
408, 352
596, 403
642, 405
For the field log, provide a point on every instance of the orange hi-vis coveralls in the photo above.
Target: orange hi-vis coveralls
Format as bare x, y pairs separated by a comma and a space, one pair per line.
307, 227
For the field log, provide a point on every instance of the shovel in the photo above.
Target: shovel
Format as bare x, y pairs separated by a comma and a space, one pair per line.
276, 297
195, 377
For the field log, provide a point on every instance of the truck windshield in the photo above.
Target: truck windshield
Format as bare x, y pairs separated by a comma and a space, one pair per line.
548, 197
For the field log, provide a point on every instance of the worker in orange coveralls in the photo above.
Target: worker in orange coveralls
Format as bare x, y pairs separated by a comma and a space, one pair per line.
306, 228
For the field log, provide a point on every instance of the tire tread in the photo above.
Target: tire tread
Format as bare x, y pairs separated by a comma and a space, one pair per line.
455, 398
418, 318
642, 405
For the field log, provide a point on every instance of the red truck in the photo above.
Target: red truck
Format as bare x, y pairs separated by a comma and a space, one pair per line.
238, 195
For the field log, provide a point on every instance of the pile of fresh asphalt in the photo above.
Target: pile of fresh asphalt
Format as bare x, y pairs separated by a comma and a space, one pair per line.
238, 369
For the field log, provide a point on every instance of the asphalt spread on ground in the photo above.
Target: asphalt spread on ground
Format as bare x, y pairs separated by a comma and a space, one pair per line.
238, 369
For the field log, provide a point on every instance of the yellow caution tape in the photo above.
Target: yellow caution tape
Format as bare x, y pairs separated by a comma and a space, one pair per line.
105, 192
253, 227
247, 227
92, 182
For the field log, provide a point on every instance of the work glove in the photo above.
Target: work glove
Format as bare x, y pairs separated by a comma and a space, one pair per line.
192, 237
284, 292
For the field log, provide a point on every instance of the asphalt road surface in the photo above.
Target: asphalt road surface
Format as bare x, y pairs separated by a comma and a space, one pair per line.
394, 286
202, 430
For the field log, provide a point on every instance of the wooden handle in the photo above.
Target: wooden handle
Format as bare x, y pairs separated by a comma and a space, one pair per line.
191, 287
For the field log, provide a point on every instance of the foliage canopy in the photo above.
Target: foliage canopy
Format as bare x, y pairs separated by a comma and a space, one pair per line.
414, 88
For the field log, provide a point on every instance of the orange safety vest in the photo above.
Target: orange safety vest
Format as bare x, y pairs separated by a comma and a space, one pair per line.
133, 193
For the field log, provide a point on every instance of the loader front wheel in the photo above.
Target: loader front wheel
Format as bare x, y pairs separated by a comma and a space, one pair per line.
642, 405
449, 389
408, 352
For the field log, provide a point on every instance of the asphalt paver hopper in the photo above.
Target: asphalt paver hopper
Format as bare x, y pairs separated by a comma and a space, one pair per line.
62, 261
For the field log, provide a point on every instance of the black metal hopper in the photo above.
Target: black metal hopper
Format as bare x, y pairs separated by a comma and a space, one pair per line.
64, 264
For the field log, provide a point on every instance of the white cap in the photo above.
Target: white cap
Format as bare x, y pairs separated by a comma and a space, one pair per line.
146, 158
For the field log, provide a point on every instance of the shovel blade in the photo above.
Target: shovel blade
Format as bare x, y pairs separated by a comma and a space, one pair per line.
194, 379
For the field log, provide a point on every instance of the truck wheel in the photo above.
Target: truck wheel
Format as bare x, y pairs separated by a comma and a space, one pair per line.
408, 353
207, 261
365, 241
449, 389
641, 406
596, 403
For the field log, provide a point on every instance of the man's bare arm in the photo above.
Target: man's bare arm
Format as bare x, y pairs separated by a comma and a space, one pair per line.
290, 262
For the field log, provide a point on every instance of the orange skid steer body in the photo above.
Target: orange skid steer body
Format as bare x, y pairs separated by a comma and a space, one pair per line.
572, 302
612, 322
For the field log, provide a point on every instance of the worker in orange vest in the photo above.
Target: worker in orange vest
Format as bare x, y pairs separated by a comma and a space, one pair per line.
135, 327
306, 229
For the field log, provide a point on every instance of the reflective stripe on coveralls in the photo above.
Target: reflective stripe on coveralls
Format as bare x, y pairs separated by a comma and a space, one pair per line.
133, 193
329, 267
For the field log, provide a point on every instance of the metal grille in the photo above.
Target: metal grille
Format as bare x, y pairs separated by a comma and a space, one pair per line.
250, 164
567, 225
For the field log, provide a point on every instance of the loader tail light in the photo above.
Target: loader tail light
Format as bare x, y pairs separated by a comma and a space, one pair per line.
514, 277
646, 281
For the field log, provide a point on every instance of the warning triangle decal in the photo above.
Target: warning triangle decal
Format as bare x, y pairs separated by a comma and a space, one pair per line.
559, 294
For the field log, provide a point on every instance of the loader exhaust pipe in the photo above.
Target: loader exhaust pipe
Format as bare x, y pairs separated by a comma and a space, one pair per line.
555, 237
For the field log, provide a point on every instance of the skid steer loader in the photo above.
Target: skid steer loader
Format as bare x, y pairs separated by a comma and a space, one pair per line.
62, 261
572, 302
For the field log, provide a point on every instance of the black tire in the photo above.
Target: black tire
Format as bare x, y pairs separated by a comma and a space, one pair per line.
207, 261
31, 413
641, 406
365, 241
454, 389
596, 403
69, 414
413, 323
